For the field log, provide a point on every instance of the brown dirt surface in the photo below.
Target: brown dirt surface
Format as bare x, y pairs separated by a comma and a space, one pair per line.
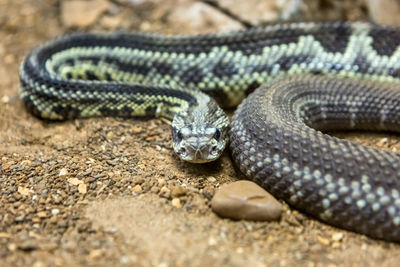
108, 191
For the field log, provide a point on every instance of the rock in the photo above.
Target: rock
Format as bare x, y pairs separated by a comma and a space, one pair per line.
176, 202
26, 163
245, 200
75, 181
63, 172
96, 253
384, 12
19, 218
137, 189
165, 192
55, 211
136, 129
28, 245
5, 99
211, 179
82, 188
81, 14
212, 241
337, 236
12, 247
161, 181
42, 214
24, 191
324, 241
257, 12
178, 191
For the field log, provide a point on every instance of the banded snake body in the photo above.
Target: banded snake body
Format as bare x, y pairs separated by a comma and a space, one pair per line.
313, 76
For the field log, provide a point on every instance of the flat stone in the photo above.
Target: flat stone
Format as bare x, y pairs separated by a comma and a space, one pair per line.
245, 200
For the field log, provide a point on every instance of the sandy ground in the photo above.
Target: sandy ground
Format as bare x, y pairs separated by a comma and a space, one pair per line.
110, 191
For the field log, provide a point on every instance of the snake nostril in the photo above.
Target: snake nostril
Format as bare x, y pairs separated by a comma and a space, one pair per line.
183, 151
214, 149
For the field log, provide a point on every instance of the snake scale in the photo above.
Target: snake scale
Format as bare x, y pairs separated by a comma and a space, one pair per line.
311, 77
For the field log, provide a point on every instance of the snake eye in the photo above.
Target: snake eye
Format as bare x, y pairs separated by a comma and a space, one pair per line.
179, 135
217, 134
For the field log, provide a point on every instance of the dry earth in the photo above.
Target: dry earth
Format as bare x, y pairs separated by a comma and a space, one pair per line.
108, 191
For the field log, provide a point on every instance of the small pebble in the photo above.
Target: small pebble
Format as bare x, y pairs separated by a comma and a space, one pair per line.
138, 180
95, 253
164, 190
110, 135
124, 260
42, 214
74, 181
137, 189
23, 190
383, 141
178, 191
136, 129
212, 241
323, 240
337, 236
63, 172
12, 247
163, 264
240, 250
28, 245
176, 202
26, 162
211, 179
55, 211
245, 200
5, 99
82, 188
161, 181
19, 218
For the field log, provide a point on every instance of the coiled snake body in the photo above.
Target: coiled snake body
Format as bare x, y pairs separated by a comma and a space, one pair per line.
316, 77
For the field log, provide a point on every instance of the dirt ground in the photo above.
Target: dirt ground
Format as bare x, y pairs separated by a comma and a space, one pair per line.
108, 191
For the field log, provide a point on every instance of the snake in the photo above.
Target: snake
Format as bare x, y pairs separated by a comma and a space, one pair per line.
292, 83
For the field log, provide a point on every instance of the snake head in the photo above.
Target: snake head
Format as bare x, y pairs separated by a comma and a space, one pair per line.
198, 145
200, 133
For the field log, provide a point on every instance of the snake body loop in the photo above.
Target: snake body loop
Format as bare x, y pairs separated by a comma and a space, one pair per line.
274, 141
317, 76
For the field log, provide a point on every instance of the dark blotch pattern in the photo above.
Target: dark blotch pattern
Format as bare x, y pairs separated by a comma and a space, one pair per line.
224, 69
385, 40
334, 37
192, 75
286, 62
